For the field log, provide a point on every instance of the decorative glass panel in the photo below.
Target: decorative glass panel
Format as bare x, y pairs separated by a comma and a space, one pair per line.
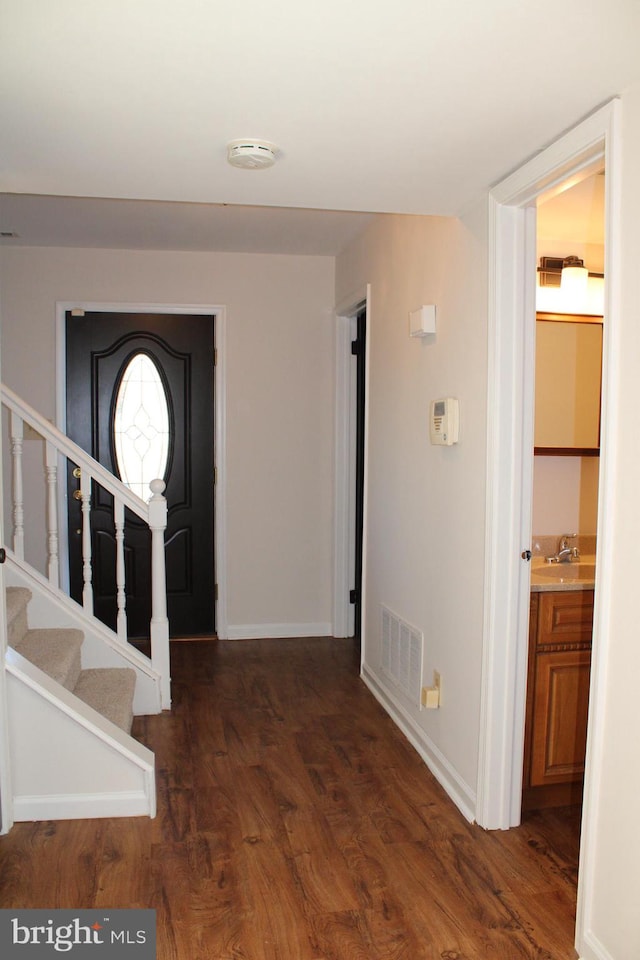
141, 425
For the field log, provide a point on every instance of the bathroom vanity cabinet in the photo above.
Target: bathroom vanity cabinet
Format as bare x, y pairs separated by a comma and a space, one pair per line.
557, 697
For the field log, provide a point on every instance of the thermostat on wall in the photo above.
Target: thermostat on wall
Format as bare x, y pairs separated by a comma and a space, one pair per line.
444, 421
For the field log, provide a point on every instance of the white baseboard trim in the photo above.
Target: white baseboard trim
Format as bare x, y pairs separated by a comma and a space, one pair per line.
277, 631
459, 791
590, 948
83, 806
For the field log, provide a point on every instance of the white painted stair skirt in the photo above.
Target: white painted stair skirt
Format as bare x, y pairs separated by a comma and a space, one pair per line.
71, 751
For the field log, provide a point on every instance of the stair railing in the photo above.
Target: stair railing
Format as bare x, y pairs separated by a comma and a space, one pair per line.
153, 513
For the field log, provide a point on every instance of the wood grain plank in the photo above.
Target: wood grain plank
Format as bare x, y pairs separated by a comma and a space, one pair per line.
123, 869
321, 870
277, 926
207, 912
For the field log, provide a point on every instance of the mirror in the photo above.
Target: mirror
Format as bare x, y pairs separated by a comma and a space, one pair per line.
568, 382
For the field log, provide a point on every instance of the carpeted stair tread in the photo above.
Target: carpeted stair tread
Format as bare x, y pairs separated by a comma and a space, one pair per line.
17, 599
56, 651
109, 690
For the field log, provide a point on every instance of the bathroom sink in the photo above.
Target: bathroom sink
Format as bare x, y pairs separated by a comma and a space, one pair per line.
563, 572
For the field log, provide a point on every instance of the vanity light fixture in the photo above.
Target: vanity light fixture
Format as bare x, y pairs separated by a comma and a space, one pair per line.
556, 271
574, 277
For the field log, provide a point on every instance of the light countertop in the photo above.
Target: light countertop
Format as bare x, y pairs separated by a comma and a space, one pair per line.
547, 577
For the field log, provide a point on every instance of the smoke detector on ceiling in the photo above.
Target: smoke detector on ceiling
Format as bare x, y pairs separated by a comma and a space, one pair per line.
251, 154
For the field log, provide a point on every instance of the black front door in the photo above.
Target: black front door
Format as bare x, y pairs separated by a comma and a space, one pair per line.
101, 349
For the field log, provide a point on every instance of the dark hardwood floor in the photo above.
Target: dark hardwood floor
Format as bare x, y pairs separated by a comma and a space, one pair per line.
296, 823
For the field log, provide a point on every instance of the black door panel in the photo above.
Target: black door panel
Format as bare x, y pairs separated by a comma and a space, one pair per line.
99, 347
361, 340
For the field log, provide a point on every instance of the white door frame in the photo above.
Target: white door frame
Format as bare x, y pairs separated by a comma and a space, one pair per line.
220, 428
345, 430
507, 577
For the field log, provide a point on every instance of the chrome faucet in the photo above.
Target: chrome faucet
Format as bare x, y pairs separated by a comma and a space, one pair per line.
565, 553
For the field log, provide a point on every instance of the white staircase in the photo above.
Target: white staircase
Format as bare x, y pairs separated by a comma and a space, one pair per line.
71, 750
71, 684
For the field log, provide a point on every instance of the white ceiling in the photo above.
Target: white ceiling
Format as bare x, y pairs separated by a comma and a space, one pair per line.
414, 106
47, 221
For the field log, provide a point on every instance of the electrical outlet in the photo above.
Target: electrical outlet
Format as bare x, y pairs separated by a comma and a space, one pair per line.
430, 696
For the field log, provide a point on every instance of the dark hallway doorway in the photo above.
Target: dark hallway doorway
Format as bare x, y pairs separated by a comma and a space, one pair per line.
358, 349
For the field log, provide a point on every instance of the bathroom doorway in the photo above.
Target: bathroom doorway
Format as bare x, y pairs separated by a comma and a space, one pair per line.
349, 608
512, 216
566, 467
512, 238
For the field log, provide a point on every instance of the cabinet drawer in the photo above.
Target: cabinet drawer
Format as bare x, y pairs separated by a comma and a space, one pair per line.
565, 618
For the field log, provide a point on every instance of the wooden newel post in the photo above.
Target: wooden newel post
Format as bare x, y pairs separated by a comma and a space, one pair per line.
159, 627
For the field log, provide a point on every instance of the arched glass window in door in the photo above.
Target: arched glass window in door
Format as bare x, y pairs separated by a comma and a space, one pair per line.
141, 425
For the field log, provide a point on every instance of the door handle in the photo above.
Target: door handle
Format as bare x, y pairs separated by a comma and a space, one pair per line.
77, 473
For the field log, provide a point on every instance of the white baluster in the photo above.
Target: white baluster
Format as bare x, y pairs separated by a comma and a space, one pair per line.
159, 627
17, 432
121, 596
51, 467
87, 589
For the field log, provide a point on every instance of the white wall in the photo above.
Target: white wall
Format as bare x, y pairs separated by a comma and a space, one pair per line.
279, 399
565, 495
615, 832
556, 496
425, 522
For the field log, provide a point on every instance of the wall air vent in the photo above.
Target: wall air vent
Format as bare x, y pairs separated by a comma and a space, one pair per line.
402, 647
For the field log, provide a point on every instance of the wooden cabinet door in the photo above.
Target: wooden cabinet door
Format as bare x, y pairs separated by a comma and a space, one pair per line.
560, 710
